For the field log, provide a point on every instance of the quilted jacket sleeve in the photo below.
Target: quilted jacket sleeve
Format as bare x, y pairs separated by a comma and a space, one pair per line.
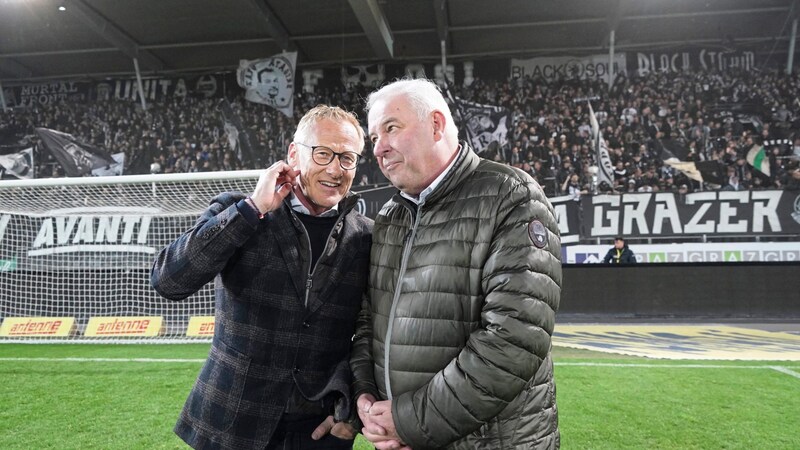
197, 256
521, 283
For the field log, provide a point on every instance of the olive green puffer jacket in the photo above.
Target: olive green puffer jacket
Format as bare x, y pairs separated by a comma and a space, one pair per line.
463, 295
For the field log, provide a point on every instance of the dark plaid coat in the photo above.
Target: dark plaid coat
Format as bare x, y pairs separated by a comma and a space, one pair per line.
265, 339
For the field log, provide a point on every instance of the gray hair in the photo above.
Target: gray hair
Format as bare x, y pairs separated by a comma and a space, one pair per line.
325, 112
423, 95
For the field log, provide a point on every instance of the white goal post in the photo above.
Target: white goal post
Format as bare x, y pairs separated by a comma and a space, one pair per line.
75, 256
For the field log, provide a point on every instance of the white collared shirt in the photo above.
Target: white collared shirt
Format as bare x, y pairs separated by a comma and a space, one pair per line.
299, 207
427, 191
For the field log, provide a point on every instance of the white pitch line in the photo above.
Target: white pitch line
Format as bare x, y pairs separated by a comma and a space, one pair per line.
786, 370
781, 369
661, 366
578, 364
137, 360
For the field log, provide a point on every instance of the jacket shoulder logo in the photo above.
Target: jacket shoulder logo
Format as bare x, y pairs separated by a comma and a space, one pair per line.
537, 233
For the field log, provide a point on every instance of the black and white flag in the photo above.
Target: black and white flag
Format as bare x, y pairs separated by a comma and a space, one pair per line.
239, 139
18, 165
458, 114
269, 81
76, 157
605, 172
113, 169
484, 124
675, 154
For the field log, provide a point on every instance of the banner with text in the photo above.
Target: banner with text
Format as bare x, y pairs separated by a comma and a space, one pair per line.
711, 213
47, 94
703, 59
567, 67
155, 89
162, 88
568, 215
111, 238
86, 238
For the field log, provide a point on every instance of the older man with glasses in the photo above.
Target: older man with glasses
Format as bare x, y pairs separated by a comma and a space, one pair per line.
290, 265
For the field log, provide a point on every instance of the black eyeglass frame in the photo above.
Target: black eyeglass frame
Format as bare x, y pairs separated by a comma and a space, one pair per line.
334, 154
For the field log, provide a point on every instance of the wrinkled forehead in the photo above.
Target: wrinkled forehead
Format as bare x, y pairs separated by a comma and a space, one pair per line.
384, 109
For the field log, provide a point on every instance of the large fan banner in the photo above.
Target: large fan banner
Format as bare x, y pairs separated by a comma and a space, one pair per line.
269, 81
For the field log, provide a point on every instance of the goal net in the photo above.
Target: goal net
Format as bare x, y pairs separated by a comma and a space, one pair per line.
76, 253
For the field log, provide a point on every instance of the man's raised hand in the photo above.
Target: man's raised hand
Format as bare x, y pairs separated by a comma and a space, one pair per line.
273, 186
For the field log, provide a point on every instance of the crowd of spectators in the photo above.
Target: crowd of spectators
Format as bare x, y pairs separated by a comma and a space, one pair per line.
713, 116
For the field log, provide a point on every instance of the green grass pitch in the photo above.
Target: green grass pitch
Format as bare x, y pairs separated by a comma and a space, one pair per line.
605, 401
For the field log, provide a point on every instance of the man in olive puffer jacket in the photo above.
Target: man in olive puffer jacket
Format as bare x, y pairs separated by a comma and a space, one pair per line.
452, 348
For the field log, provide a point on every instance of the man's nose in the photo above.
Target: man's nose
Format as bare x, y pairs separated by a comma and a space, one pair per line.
334, 168
379, 148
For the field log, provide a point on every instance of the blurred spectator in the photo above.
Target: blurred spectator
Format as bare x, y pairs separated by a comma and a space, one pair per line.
573, 188
619, 253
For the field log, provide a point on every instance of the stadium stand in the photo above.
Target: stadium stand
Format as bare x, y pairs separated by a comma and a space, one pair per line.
550, 137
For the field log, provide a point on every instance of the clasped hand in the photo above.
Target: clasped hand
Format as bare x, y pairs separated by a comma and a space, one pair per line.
378, 423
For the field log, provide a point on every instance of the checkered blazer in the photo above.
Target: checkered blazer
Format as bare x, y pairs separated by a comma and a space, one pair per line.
266, 339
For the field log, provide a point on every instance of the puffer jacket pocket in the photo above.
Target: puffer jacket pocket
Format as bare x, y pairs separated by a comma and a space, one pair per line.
510, 419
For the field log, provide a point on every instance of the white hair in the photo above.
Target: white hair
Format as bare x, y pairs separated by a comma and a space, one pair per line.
424, 97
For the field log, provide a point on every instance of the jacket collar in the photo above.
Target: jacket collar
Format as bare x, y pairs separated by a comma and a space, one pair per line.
345, 204
432, 187
298, 206
464, 165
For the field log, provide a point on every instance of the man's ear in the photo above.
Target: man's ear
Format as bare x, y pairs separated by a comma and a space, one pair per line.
439, 123
291, 157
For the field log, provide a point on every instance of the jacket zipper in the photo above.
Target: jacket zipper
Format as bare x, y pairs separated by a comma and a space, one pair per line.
409, 240
311, 270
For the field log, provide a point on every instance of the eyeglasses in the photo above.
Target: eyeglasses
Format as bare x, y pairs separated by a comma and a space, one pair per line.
323, 156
